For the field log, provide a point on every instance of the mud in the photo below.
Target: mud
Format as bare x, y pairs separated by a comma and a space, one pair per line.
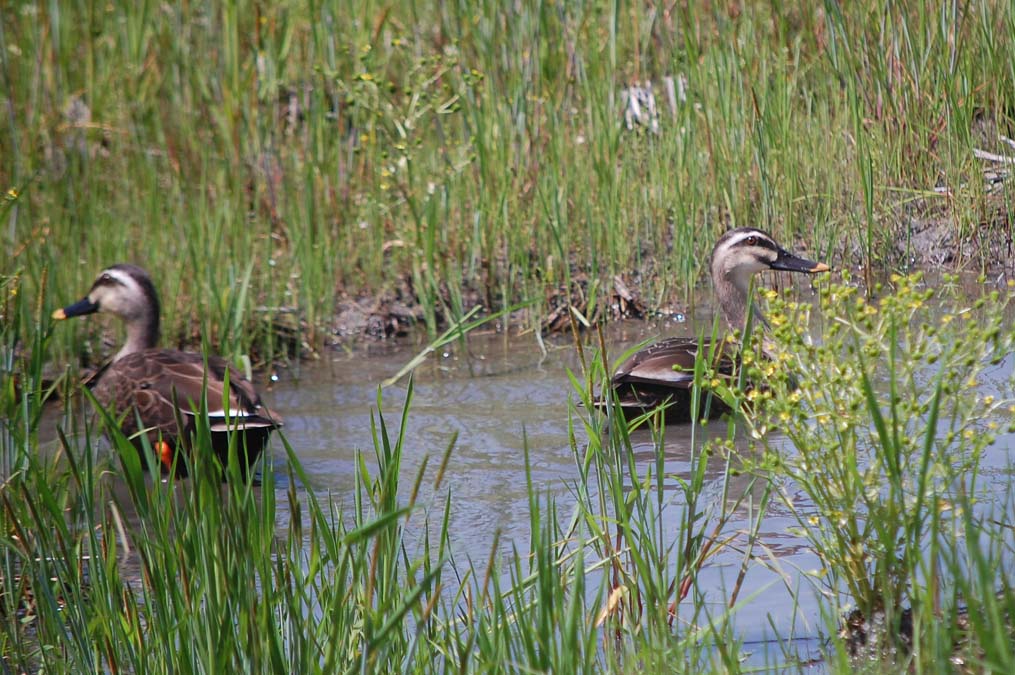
925, 236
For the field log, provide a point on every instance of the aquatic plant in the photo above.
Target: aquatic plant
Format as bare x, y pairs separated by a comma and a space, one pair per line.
889, 415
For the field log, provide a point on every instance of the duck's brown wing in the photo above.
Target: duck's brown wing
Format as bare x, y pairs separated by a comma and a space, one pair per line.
663, 374
670, 362
245, 405
151, 381
667, 362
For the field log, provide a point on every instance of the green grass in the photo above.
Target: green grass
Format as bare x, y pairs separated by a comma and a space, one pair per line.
106, 569
476, 151
329, 148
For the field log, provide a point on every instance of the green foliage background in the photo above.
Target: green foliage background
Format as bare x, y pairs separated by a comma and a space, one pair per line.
474, 151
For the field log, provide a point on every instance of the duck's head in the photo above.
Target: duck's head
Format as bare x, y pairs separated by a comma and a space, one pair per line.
125, 291
739, 255
743, 252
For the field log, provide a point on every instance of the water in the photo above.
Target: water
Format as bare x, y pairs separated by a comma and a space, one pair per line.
498, 395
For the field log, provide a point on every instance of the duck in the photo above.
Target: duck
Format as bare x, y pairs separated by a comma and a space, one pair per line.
662, 374
163, 387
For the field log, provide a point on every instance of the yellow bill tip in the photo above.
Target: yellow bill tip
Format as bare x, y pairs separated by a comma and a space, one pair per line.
820, 267
59, 315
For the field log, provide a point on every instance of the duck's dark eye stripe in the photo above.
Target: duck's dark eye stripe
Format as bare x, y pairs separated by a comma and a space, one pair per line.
107, 280
755, 240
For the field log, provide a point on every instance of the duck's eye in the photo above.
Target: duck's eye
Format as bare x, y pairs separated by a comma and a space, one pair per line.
106, 279
752, 240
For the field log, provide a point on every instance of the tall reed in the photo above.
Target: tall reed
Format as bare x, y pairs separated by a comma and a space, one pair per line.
474, 153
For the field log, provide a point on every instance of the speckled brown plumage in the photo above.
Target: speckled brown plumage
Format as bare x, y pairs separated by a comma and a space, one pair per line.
663, 372
163, 387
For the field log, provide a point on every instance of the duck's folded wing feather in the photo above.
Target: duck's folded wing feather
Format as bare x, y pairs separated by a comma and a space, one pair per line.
158, 378
671, 362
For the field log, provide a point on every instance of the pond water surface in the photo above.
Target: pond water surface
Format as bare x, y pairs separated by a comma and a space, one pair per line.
497, 395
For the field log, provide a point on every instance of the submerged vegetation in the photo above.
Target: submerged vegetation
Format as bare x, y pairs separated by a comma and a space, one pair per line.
279, 169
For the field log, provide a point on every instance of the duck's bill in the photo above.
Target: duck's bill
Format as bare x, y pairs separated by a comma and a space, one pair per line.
787, 262
79, 308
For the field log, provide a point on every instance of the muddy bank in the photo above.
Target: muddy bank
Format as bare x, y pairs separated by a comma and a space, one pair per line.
925, 236
398, 312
